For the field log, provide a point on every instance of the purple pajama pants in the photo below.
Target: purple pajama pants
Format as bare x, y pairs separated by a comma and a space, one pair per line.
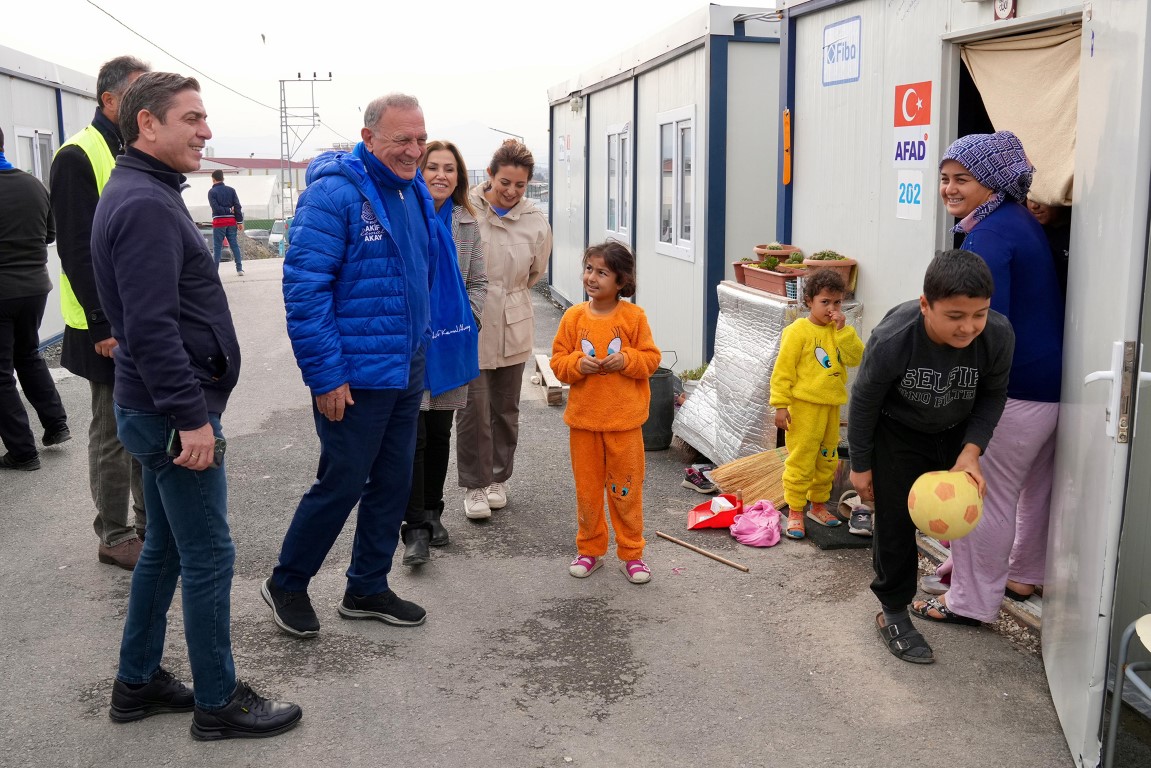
1011, 539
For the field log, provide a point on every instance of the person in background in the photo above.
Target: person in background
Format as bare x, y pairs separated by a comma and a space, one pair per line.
227, 219
808, 384
604, 349
984, 180
517, 242
26, 228
1056, 223
446, 175
79, 172
356, 291
177, 361
927, 397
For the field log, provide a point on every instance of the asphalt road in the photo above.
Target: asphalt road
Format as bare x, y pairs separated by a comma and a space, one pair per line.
518, 664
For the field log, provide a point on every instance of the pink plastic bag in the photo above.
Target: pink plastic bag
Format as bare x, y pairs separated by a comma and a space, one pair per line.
758, 526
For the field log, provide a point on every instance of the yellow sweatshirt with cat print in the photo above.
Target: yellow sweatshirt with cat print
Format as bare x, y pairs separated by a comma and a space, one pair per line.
812, 364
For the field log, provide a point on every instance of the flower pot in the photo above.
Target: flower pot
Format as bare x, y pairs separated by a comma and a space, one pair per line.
739, 275
766, 280
842, 266
781, 253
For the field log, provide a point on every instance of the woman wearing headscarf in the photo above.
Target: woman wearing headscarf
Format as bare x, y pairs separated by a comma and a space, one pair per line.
983, 180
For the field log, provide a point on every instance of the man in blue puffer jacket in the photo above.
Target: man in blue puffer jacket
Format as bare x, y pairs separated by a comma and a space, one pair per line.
356, 281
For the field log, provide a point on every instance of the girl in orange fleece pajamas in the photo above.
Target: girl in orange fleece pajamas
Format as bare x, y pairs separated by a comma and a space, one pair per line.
808, 384
605, 351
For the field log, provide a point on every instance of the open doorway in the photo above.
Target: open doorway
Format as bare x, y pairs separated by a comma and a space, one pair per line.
1025, 84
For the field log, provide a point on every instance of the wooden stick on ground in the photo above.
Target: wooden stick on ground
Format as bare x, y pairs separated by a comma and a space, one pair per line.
703, 552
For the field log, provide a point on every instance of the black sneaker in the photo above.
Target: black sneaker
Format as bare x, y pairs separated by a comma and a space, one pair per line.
57, 436
28, 465
247, 715
860, 523
386, 606
292, 611
164, 693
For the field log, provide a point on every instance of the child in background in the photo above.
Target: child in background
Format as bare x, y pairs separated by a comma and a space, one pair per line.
931, 389
605, 351
808, 384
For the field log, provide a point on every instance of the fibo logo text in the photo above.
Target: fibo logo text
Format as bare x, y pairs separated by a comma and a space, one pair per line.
841, 50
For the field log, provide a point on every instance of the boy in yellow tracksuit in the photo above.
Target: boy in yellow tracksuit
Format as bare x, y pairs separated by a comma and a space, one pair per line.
605, 350
808, 384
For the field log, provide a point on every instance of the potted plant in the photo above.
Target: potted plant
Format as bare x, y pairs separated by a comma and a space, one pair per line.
831, 260
781, 251
739, 265
765, 277
690, 378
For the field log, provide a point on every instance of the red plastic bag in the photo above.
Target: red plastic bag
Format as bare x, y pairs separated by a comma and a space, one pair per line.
758, 526
703, 516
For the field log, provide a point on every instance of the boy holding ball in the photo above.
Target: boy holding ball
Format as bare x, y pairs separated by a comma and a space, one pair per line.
928, 395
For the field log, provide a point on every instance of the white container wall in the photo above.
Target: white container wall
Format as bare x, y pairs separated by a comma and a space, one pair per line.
676, 141
568, 206
863, 185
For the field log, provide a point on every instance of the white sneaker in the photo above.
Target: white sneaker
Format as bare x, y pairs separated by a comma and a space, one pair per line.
476, 504
497, 495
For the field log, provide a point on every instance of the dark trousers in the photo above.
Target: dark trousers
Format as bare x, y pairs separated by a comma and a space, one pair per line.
20, 358
364, 460
488, 428
429, 468
901, 455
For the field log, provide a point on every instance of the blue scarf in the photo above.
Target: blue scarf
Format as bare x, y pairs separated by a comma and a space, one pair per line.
453, 344
4, 164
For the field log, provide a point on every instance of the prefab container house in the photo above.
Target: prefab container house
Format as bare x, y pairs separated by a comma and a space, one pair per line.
876, 90
41, 105
670, 147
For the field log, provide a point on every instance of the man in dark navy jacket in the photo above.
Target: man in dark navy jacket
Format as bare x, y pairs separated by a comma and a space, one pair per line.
177, 360
227, 219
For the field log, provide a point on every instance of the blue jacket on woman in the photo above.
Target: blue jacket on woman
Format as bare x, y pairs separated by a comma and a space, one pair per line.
348, 288
1027, 290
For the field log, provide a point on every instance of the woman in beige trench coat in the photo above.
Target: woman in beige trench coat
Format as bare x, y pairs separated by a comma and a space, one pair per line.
517, 242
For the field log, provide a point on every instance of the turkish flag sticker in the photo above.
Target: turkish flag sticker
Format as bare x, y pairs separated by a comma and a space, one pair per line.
913, 104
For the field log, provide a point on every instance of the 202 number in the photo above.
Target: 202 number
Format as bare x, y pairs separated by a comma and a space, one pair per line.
909, 193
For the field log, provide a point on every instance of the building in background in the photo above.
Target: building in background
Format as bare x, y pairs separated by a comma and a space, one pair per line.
670, 147
43, 104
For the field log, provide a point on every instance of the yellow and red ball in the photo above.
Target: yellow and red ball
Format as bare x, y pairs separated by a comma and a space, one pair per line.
945, 505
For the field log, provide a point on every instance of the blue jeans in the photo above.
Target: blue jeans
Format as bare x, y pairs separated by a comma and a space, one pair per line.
188, 539
218, 235
367, 459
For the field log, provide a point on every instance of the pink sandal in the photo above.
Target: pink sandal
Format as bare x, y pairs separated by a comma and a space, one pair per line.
584, 565
636, 571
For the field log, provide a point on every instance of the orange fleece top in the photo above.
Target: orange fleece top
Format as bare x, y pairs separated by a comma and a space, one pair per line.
606, 402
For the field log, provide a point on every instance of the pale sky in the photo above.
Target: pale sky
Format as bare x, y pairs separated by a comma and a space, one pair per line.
473, 64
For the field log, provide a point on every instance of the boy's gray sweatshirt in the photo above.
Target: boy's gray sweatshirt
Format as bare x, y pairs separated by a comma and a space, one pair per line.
926, 386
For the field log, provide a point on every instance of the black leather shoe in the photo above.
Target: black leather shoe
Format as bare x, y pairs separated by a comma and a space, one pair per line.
439, 532
247, 715
57, 436
28, 465
163, 694
292, 611
416, 546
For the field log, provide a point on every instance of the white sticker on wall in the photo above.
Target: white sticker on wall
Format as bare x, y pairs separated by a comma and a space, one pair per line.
911, 195
842, 47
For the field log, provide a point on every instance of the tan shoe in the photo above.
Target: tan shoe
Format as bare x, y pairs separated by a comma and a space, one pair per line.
125, 554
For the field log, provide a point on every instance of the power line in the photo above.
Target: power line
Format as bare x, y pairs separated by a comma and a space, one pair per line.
194, 69
177, 58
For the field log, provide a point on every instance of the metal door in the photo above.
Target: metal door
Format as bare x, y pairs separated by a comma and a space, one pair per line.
1109, 221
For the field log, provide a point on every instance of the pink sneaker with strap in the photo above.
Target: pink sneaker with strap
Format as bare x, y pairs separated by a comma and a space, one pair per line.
584, 565
636, 571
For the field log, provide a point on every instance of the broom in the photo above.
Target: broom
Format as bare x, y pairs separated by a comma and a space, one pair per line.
759, 476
